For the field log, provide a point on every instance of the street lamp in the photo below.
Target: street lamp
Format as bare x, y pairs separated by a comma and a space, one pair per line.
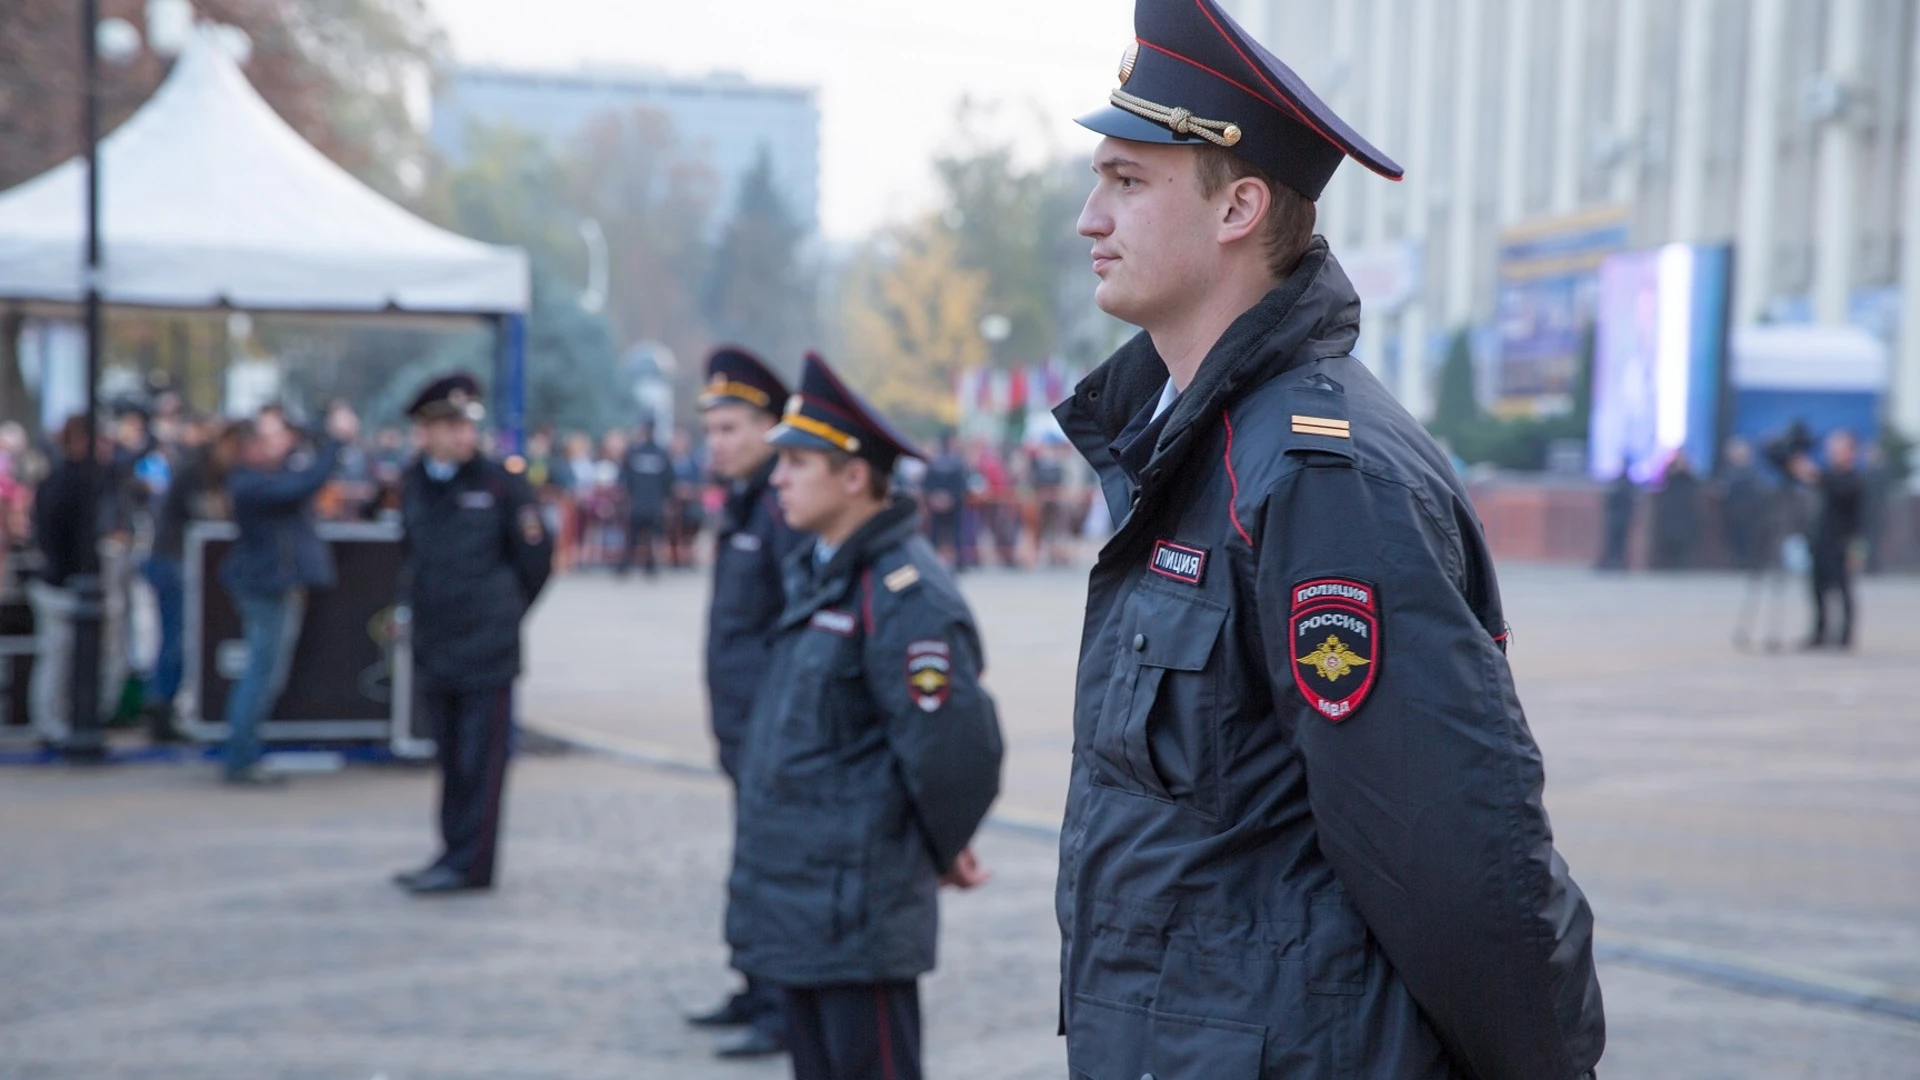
84, 740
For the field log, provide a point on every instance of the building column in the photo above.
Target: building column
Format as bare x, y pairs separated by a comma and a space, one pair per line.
1570, 127
1338, 223
1516, 110
1836, 233
1465, 187
1629, 99
1380, 109
1905, 412
1689, 152
1759, 161
1410, 386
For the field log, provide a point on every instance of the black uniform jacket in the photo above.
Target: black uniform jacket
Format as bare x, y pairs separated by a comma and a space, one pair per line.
477, 555
872, 758
1304, 832
748, 595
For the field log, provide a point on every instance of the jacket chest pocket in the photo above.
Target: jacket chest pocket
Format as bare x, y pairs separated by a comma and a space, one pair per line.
1158, 733
826, 704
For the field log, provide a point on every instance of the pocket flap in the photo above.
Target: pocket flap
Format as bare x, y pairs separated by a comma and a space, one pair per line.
1111, 1041
1176, 634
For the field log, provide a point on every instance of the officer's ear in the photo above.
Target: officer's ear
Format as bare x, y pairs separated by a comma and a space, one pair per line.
1244, 206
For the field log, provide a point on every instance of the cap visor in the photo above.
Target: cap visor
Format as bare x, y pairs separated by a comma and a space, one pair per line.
1120, 124
788, 437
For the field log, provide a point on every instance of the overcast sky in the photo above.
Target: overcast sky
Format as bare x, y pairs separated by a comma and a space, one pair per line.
888, 71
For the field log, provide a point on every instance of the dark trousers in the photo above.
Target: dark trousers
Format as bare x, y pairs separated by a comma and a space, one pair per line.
643, 533
869, 1031
1831, 574
169, 595
474, 730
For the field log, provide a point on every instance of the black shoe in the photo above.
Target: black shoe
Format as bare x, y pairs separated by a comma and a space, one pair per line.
406, 878
756, 1043
256, 776
440, 880
737, 1012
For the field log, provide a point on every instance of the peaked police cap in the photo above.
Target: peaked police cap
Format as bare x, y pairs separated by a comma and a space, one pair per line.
827, 415
1194, 76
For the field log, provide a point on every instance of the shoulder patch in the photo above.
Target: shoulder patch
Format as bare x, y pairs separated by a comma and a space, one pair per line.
929, 674
901, 578
1318, 411
1335, 631
533, 531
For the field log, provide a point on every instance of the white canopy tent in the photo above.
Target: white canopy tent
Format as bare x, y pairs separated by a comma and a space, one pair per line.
209, 199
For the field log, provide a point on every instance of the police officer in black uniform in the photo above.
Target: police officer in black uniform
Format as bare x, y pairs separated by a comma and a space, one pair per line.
1304, 832
871, 759
742, 402
477, 555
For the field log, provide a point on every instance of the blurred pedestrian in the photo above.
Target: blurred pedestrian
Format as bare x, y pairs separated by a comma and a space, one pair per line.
1304, 833
1743, 497
198, 493
276, 560
742, 402
686, 515
1755, 512
871, 762
478, 554
1051, 527
1676, 516
945, 485
1617, 525
1835, 539
66, 512
646, 477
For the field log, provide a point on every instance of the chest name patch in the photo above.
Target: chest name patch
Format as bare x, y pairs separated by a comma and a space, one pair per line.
834, 622
745, 541
476, 500
1335, 627
929, 674
1186, 565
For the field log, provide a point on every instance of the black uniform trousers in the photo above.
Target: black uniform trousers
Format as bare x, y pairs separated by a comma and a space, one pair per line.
474, 730
1832, 573
866, 1031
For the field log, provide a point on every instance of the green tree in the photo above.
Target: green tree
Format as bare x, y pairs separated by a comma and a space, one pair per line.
758, 292
1457, 412
1015, 224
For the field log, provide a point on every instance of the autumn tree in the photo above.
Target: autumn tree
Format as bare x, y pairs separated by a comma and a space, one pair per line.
911, 317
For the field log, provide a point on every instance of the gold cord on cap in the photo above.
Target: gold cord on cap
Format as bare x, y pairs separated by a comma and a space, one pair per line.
1179, 121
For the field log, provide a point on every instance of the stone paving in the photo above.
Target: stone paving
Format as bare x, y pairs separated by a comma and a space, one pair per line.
155, 925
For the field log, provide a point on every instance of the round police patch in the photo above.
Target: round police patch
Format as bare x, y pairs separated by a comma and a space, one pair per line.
1335, 627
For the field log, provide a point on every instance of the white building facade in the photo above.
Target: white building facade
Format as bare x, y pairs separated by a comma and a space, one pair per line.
1779, 126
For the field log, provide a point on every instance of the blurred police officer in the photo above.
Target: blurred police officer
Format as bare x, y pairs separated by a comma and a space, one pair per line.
477, 554
871, 759
743, 400
1304, 833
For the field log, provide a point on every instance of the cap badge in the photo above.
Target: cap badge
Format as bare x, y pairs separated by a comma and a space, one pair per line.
1127, 60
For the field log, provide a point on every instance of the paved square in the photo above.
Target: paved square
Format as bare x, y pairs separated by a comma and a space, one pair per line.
1751, 812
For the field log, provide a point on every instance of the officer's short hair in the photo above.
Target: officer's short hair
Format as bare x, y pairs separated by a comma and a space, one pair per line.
879, 480
1288, 228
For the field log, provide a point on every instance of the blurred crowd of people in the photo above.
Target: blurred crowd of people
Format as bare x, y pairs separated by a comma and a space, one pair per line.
627, 500
1795, 506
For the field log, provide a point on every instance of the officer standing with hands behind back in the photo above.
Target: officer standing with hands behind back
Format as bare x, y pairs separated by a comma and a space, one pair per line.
477, 555
871, 759
742, 402
1304, 833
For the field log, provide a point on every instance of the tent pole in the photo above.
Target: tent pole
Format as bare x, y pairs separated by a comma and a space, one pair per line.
510, 381
84, 742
